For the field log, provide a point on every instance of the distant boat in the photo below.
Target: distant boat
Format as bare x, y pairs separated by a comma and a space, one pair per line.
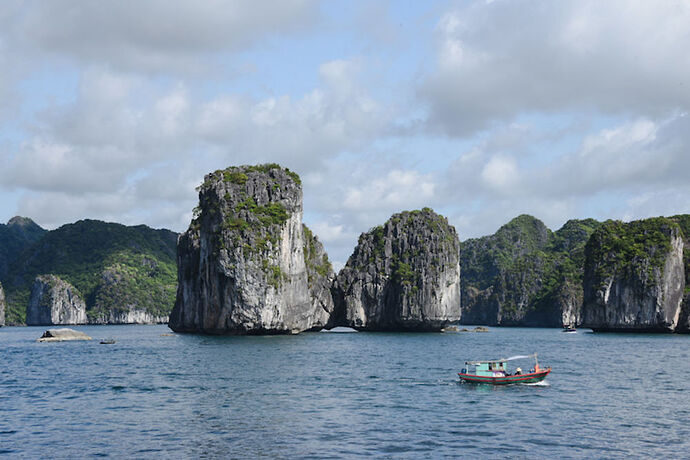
108, 341
570, 329
495, 372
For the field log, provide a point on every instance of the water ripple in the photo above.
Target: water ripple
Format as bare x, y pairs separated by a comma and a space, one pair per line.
338, 395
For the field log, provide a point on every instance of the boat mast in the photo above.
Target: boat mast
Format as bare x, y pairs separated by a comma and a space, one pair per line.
536, 360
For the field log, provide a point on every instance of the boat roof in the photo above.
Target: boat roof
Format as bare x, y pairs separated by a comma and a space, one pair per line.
502, 360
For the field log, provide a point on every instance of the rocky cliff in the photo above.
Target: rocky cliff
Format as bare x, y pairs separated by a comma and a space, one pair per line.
404, 275
684, 318
126, 315
241, 263
54, 301
2, 306
320, 278
634, 276
525, 274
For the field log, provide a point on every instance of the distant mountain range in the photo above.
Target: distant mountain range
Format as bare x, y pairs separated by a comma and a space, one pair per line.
120, 272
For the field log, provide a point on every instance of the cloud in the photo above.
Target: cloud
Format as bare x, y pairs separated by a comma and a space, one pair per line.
500, 173
396, 190
158, 35
615, 172
302, 132
629, 157
500, 59
137, 147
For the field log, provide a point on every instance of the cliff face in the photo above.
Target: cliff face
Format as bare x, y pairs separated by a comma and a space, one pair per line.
126, 316
320, 278
634, 276
54, 301
2, 306
404, 275
136, 292
684, 319
524, 274
241, 264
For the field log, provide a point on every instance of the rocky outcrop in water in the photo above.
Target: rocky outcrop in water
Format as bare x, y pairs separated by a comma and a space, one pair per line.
62, 335
525, 274
2, 306
241, 263
404, 275
634, 276
54, 301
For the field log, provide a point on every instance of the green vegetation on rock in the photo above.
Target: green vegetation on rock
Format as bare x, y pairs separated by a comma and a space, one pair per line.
618, 246
87, 252
16, 236
524, 273
315, 257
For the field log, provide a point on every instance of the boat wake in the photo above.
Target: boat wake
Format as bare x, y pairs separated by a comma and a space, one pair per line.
543, 383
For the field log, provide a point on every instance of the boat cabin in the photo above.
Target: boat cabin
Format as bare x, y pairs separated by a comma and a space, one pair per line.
488, 368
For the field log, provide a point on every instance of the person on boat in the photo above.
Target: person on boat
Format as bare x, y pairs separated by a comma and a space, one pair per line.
518, 371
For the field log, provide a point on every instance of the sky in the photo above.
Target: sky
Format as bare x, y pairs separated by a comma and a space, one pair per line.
482, 110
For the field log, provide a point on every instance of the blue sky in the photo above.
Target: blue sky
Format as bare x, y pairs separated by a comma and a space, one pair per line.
482, 110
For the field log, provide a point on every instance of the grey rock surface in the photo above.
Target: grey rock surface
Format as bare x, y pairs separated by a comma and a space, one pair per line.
128, 315
54, 301
62, 335
404, 275
634, 277
684, 318
241, 263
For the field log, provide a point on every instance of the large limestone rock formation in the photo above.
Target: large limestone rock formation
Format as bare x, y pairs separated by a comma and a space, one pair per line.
525, 274
241, 263
54, 301
404, 275
634, 276
2, 306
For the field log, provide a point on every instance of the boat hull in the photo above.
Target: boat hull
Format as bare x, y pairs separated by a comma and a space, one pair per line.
533, 377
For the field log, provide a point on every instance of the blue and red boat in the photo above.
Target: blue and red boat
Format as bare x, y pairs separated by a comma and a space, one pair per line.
495, 372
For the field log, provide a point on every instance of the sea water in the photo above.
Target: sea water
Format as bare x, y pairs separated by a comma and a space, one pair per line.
335, 395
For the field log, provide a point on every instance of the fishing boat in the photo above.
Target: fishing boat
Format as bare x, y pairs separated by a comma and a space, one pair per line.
569, 329
495, 372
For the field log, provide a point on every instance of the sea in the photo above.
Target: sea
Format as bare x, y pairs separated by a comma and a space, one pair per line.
156, 394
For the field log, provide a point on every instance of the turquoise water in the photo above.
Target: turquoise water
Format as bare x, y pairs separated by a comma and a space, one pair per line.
334, 395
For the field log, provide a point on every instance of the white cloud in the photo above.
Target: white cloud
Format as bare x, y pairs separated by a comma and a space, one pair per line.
396, 190
617, 172
158, 35
568, 109
500, 173
496, 61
